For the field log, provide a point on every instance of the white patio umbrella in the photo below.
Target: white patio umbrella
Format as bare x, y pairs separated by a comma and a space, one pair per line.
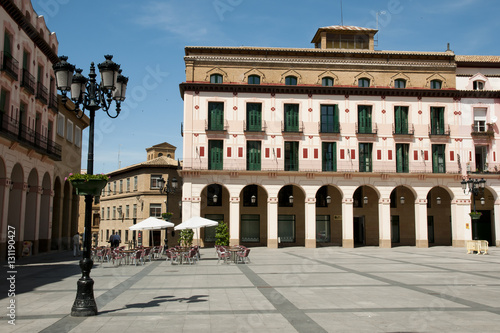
196, 222
151, 223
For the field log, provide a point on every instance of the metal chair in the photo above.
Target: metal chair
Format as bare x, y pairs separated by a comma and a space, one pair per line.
243, 256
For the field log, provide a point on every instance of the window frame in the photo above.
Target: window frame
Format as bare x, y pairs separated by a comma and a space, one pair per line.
365, 157
253, 78
254, 155
327, 81
329, 118
291, 80
399, 82
329, 156
436, 84
216, 78
215, 116
291, 149
364, 82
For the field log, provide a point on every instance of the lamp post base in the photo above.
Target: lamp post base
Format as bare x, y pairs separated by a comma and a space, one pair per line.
85, 305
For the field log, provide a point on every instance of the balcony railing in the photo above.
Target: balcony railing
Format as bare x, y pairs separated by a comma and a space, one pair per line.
216, 128
409, 131
364, 130
329, 128
439, 130
253, 129
10, 65
42, 93
53, 102
482, 132
292, 129
28, 81
13, 130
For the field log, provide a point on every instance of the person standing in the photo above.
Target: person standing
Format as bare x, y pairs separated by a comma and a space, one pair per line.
118, 239
76, 244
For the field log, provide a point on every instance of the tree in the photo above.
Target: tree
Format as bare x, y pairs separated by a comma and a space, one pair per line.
222, 234
186, 237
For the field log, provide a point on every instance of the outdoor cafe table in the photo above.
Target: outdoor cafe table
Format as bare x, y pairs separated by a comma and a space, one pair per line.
182, 252
233, 250
127, 254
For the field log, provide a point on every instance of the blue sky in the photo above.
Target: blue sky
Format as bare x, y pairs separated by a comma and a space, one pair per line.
148, 38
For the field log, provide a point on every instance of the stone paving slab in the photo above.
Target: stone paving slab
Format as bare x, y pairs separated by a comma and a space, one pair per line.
329, 289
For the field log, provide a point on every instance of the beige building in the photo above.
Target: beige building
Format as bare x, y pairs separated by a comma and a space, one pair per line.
40, 143
133, 194
341, 144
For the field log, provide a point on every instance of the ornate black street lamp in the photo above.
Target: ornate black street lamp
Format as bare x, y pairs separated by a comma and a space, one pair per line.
168, 187
92, 96
476, 187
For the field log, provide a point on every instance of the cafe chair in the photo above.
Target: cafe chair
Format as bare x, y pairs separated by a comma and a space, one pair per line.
172, 256
243, 256
138, 257
223, 255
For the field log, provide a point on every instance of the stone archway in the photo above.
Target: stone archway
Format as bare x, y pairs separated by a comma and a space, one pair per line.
366, 216
403, 232
291, 216
45, 203
328, 216
31, 211
214, 206
56, 216
253, 216
16, 201
439, 225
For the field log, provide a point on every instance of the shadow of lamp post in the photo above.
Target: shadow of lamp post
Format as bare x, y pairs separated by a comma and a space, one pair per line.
476, 187
92, 96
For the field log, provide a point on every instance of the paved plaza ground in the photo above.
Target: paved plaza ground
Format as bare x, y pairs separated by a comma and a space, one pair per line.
329, 289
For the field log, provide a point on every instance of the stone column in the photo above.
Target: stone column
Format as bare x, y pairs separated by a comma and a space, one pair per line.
272, 222
421, 232
347, 223
234, 221
310, 226
496, 221
4, 214
384, 223
462, 226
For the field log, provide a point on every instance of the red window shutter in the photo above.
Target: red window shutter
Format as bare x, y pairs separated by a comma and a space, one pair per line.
305, 153
342, 156
470, 156
426, 155
240, 151
202, 151
379, 154
452, 155
315, 152
415, 155
267, 152
278, 152
389, 155
353, 154
228, 151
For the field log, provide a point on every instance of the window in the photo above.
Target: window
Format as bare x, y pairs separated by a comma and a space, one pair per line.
250, 228
128, 184
430, 229
291, 118
210, 231
364, 119
478, 85
400, 83
60, 124
395, 228
284, 196
254, 117
286, 228
155, 184
215, 78
26, 59
254, 79
135, 183
248, 192
357, 198
4, 102
114, 212
78, 136
127, 211
114, 187
253, 155
438, 159
109, 188
108, 214
291, 80
69, 130
329, 156
126, 235
436, 84
402, 159
363, 82
437, 120
215, 116
347, 41
365, 157
291, 156
134, 211
480, 119
323, 228
121, 185
155, 210
102, 212
327, 82
7, 44
215, 157
330, 119
212, 191
120, 212
400, 120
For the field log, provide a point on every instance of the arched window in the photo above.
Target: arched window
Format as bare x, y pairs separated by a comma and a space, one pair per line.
291, 81
436, 84
254, 79
364, 82
400, 83
160, 154
215, 78
327, 82
478, 85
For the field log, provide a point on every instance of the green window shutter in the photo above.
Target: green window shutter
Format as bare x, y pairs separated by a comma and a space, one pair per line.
291, 117
216, 116
25, 60
329, 156
3, 101
437, 120
336, 124
397, 117
254, 117
365, 157
253, 155
402, 161
7, 44
364, 119
291, 156
441, 120
438, 159
216, 155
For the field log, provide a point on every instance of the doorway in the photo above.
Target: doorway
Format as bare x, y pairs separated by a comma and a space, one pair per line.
359, 230
156, 238
481, 229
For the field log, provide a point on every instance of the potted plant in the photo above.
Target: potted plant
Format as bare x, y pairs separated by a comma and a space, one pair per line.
167, 216
475, 215
186, 237
222, 234
86, 184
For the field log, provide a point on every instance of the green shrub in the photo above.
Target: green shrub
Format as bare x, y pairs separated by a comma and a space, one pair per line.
222, 234
186, 237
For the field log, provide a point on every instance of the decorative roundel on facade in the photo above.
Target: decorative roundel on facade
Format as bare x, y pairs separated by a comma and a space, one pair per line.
273, 136
419, 111
273, 108
196, 92
310, 110
382, 97
235, 108
273, 94
459, 113
196, 134
346, 96
347, 137
235, 135
310, 95
310, 137
196, 107
384, 139
383, 111
235, 93
419, 98
346, 110
455, 113
420, 139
